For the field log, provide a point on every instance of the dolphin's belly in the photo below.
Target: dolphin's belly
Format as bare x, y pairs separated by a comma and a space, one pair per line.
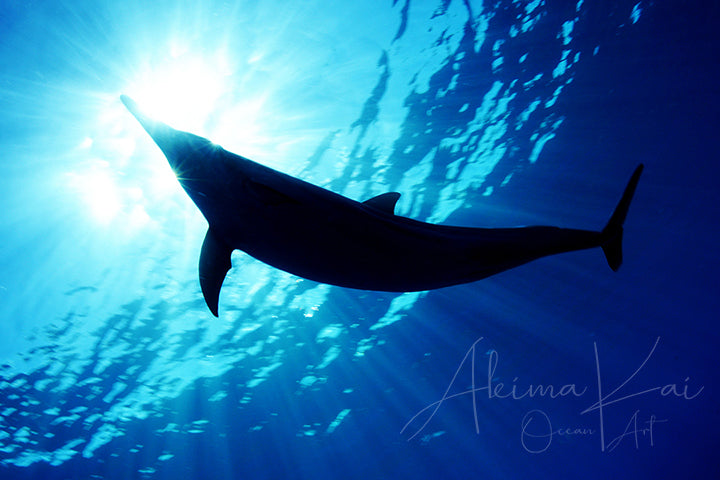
372, 252
360, 248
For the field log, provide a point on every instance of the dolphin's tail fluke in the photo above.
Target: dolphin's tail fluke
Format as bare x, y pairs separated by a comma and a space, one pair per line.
613, 232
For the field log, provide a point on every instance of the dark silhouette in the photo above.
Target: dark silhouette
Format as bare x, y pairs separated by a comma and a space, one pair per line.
322, 236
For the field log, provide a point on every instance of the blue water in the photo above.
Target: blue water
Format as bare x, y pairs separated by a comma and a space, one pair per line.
480, 114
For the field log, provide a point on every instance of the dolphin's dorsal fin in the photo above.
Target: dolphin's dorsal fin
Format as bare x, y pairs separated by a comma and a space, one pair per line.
214, 265
385, 202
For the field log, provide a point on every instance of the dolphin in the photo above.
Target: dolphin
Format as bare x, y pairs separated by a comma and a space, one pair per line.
320, 235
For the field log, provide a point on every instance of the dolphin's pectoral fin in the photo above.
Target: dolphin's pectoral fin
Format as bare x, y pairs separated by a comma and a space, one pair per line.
214, 265
385, 202
268, 195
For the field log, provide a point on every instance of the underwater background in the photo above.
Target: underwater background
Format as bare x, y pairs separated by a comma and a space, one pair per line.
481, 114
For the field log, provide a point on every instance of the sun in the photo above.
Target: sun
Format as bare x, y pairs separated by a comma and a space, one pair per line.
120, 175
184, 88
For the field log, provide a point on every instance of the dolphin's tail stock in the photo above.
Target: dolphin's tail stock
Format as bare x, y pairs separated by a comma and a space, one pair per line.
612, 234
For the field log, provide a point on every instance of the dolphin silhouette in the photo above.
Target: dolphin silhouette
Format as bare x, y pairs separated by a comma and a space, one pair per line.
319, 235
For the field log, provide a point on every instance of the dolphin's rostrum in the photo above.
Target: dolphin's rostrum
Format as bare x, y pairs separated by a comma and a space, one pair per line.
322, 236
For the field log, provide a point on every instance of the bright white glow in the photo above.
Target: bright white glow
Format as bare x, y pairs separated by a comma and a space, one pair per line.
99, 192
240, 129
162, 180
183, 90
106, 199
138, 216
